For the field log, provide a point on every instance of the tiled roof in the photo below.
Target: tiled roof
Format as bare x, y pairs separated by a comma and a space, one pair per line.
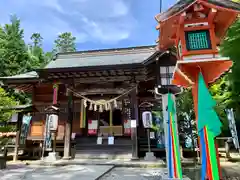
102, 58
180, 5
28, 75
121, 56
26, 107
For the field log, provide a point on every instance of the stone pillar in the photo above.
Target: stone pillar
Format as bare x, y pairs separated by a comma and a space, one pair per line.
68, 127
19, 125
134, 116
165, 121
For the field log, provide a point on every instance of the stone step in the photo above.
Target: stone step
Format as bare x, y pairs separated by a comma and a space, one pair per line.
104, 141
103, 147
97, 154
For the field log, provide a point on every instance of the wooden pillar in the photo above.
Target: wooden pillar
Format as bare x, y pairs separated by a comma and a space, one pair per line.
68, 127
19, 125
111, 121
134, 116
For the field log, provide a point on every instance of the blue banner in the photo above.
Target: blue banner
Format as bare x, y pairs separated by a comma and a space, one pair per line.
24, 129
47, 135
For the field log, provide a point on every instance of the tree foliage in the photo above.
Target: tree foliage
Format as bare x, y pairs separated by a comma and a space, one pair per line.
230, 48
13, 51
6, 101
186, 115
36, 52
65, 43
18, 57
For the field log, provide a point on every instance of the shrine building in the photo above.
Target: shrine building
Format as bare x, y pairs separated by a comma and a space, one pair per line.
98, 93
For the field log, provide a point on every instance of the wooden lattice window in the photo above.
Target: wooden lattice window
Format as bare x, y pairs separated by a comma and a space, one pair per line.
198, 40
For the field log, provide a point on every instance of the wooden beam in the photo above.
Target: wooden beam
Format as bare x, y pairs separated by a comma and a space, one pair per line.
182, 18
100, 80
98, 73
120, 72
76, 74
198, 7
103, 91
105, 73
68, 127
134, 116
211, 15
113, 72
91, 74
61, 75
19, 125
83, 74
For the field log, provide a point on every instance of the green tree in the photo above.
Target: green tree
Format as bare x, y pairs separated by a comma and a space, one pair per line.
36, 39
6, 101
186, 115
48, 57
36, 52
230, 48
17, 57
13, 51
65, 43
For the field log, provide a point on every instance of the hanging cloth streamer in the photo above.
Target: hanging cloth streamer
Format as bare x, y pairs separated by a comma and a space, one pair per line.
174, 160
82, 115
55, 93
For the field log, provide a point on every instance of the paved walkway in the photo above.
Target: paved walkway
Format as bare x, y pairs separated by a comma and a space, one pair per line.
71, 172
113, 162
137, 174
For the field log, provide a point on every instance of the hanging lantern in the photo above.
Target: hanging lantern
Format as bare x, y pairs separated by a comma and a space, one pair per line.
95, 107
91, 106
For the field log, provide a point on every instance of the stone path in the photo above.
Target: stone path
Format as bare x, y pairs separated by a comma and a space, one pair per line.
89, 171
230, 172
71, 172
136, 174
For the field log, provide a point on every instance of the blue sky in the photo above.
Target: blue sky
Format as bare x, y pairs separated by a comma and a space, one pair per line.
97, 24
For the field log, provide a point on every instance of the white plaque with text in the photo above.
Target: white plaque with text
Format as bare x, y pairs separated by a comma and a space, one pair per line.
99, 140
133, 123
110, 140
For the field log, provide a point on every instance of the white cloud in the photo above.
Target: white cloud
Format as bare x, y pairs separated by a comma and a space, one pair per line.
105, 21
